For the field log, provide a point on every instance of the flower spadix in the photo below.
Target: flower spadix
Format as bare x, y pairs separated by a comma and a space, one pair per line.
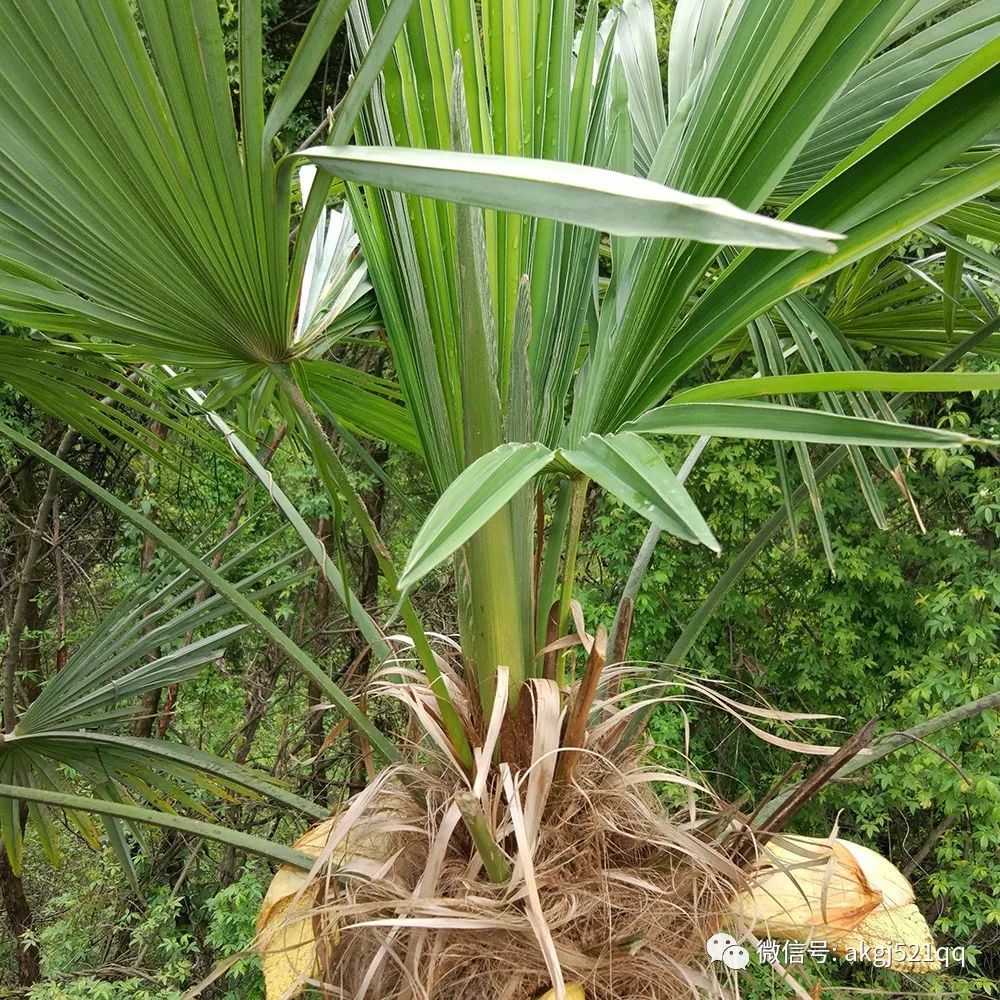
574, 991
290, 920
843, 894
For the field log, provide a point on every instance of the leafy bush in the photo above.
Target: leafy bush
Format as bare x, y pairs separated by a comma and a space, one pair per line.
907, 629
232, 914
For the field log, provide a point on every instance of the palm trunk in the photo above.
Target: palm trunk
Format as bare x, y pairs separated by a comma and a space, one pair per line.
19, 919
490, 609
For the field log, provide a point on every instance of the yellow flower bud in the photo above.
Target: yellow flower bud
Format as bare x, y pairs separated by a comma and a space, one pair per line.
809, 889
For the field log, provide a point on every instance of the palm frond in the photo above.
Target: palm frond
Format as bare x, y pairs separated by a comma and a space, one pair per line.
163, 634
96, 394
239, 602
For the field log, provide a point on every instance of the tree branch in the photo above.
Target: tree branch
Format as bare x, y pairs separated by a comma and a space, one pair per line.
894, 742
618, 643
28, 585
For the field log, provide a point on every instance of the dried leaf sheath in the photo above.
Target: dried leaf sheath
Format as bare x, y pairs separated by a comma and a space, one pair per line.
594, 853
843, 894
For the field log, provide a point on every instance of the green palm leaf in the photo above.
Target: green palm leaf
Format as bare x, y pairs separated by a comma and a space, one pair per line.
483, 489
841, 381
632, 470
770, 421
58, 742
137, 814
580, 195
238, 601
156, 223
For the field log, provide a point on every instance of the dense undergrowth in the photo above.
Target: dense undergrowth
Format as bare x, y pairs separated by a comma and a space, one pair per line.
906, 629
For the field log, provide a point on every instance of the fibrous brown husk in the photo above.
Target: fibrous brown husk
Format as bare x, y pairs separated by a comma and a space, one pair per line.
597, 892
605, 889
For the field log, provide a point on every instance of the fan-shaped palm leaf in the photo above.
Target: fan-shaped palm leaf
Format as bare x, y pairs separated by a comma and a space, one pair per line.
60, 740
760, 95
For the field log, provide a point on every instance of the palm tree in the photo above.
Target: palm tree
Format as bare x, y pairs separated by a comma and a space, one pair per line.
554, 249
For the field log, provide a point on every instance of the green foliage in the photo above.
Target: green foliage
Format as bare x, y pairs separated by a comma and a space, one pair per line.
908, 628
89, 988
232, 914
81, 923
182, 267
150, 952
282, 22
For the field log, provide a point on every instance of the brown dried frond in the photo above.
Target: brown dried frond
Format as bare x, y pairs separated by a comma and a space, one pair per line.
606, 889
599, 893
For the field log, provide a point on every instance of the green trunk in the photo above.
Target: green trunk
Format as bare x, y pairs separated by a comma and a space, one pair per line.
490, 609
490, 566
